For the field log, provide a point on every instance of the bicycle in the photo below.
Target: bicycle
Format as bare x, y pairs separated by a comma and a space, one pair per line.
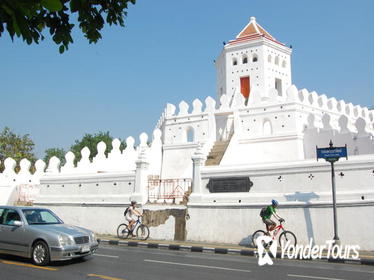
141, 230
285, 236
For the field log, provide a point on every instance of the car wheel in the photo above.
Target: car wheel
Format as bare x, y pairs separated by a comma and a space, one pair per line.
40, 253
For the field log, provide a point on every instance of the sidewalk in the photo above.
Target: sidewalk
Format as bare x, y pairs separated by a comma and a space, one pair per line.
366, 257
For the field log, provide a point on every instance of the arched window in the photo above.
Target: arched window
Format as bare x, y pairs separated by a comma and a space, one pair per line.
245, 60
276, 60
255, 58
267, 129
284, 64
269, 58
234, 61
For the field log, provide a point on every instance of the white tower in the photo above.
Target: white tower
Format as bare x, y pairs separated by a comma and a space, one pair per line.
254, 63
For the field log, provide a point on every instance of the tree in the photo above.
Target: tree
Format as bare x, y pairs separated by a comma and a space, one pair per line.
57, 152
16, 147
90, 141
28, 18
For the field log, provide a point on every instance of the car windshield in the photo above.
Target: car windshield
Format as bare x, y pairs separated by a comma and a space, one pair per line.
40, 217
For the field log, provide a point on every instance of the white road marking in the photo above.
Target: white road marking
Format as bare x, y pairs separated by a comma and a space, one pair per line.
313, 277
107, 256
198, 265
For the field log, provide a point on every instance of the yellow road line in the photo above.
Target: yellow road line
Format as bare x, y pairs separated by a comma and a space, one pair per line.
29, 265
104, 277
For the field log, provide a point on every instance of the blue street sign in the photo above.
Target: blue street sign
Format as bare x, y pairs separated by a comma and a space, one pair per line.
330, 153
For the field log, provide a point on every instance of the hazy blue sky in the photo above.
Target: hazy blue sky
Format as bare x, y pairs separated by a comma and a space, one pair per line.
165, 54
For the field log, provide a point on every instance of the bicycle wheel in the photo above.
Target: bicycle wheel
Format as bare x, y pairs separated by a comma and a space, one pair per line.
123, 231
142, 232
257, 234
287, 236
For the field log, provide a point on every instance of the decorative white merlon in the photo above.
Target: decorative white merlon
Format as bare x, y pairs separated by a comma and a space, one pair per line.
69, 163
183, 108
332, 104
303, 96
170, 110
84, 165
210, 104
54, 165
237, 101
197, 106
40, 166
322, 102
100, 160
10, 165
312, 98
224, 102
292, 94
25, 165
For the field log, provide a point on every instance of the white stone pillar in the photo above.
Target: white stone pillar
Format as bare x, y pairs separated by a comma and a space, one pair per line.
198, 160
141, 179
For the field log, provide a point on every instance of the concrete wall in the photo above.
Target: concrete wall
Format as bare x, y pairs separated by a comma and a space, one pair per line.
236, 223
165, 222
304, 191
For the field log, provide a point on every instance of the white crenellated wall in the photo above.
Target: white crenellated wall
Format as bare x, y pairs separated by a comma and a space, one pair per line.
182, 132
21, 186
104, 179
269, 128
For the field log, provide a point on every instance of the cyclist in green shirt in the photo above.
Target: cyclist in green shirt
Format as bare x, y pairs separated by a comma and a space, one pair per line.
266, 218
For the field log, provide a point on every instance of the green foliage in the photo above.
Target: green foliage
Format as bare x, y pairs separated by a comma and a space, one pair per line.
28, 18
90, 141
16, 147
57, 152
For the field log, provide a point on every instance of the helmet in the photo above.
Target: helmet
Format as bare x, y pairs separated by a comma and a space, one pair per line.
133, 202
274, 202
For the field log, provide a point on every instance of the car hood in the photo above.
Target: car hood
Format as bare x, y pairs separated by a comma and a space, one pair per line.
63, 229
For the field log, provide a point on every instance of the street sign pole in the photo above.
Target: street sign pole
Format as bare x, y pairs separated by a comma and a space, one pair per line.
336, 237
332, 154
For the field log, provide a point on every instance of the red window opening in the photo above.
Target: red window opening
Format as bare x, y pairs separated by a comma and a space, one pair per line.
245, 86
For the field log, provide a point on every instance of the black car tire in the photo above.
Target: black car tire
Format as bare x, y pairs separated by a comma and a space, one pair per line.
40, 253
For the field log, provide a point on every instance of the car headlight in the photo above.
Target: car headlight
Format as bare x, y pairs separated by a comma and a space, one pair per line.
65, 240
92, 237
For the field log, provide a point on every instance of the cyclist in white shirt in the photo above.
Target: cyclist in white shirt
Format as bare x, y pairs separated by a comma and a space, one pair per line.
132, 214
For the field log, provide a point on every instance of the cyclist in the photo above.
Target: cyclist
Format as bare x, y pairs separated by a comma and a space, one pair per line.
130, 213
266, 217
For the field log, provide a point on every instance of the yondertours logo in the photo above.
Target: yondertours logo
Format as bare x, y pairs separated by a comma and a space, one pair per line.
263, 254
267, 249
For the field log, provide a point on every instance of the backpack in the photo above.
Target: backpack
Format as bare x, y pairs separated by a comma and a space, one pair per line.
126, 211
263, 212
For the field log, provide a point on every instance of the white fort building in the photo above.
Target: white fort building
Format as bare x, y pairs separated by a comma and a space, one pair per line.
213, 164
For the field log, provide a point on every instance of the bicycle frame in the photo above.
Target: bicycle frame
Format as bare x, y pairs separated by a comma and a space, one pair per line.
137, 223
276, 230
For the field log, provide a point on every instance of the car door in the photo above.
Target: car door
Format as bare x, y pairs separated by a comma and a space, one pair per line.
12, 237
2, 240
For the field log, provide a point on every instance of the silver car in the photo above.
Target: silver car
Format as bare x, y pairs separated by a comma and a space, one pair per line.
38, 233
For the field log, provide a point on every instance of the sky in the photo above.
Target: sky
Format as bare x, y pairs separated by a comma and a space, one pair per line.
166, 54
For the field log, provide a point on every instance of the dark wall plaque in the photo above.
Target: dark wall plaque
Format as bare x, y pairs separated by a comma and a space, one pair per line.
229, 184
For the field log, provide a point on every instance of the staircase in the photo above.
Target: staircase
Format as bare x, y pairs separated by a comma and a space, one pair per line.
216, 154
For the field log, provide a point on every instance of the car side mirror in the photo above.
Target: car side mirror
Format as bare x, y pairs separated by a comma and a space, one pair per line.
17, 223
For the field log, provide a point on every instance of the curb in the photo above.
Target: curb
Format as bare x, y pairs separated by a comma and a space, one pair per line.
219, 250
176, 247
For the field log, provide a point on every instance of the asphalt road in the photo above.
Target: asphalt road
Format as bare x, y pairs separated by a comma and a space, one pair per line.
130, 263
